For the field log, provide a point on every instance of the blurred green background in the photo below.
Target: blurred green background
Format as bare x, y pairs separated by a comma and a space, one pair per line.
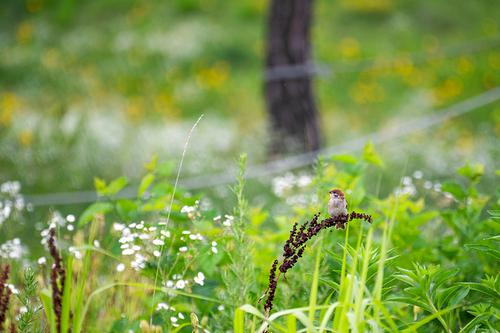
96, 88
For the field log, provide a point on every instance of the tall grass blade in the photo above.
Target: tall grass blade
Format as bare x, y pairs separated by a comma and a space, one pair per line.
366, 260
305, 321
291, 324
46, 298
239, 315
385, 241
66, 297
82, 278
314, 286
386, 313
169, 211
327, 316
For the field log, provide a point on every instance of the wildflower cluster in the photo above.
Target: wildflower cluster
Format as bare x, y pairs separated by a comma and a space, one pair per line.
57, 221
13, 249
175, 317
12, 203
226, 223
145, 242
296, 244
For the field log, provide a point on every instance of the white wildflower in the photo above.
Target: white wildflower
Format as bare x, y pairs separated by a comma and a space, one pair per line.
158, 242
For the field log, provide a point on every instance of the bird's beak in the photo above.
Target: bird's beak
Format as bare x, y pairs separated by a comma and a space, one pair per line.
330, 191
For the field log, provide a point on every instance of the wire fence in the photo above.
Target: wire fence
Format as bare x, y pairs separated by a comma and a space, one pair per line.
288, 163
310, 69
419, 57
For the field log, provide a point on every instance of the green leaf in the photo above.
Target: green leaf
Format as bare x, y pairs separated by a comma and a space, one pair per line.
423, 321
422, 218
415, 292
496, 305
152, 164
494, 212
239, 315
472, 325
208, 261
478, 247
459, 296
98, 249
100, 186
305, 321
161, 189
472, 171
127, 209
493, 238
455, 189
407, 279
484, 248
66, 297
371, 156
443, 296
126, 205
116, 185
483, 289
252, 310
442, 278
145, 182
410, 301
46, 298
494, 253
95, 208
180, 327
345, 158
291, 324
330, 283
166, 168
336, 257
387, 316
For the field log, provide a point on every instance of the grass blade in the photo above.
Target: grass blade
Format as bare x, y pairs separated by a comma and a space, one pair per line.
291, 324
66, 297
314, 286
46, 297
239, 315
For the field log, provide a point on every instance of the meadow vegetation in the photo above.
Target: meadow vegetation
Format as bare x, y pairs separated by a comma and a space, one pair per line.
98, 95
425, 258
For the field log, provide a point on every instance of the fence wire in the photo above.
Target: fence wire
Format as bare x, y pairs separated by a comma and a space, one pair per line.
329, 69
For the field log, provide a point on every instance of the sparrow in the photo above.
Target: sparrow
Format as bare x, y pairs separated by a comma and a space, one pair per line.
337, 205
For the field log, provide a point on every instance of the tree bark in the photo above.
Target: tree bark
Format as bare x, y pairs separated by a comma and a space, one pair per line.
289, 94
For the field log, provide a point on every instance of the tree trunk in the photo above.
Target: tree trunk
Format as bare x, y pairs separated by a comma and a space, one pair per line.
288, 83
